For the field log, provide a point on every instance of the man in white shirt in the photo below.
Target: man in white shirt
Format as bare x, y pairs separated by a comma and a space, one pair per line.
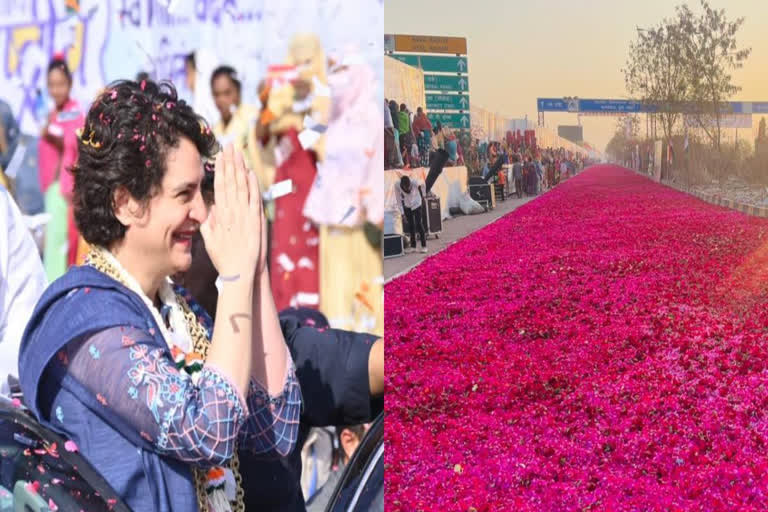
198, 68
22, 281
410, 204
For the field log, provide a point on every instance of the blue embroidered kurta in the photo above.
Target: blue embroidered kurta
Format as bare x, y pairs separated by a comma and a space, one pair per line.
95, 369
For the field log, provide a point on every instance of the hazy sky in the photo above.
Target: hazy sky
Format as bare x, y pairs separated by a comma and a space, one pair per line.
519, 51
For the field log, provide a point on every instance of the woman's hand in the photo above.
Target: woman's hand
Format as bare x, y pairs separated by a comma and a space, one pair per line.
234, 232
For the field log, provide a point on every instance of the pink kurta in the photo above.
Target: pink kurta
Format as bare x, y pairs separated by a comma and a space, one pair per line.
54, 164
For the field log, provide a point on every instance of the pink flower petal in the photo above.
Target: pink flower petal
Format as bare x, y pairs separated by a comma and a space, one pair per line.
601, 347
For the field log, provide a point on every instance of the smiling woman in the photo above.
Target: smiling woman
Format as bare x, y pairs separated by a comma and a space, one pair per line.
114, 357
130, 135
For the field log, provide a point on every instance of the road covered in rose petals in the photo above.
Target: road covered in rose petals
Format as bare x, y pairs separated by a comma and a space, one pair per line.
604, 347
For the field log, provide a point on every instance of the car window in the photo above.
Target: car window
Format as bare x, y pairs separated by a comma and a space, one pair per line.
362, 486
369, 495
36, 472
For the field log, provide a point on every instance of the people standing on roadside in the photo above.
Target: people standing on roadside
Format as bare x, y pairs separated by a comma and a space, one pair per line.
404, 127
396, 129
517, 175
422, 127
539, 174
390, 160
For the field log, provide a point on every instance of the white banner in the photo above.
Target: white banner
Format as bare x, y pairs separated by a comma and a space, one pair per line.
106, 40
404, 84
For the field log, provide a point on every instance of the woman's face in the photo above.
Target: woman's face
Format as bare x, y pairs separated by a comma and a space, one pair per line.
58, 87
225, 95
166, 228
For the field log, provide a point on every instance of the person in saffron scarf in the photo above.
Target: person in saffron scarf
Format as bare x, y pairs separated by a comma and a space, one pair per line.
57, 154
116, 360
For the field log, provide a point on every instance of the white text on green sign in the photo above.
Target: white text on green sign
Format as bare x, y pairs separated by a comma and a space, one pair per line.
434, 63
448, 101
446, 83
452, 120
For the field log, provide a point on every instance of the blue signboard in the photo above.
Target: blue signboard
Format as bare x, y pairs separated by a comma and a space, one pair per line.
590, 105
619, 106
749, 107
608, 106
552, 105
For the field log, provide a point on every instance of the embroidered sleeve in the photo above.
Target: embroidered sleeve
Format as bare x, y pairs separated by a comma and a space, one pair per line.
194, 419
273, 423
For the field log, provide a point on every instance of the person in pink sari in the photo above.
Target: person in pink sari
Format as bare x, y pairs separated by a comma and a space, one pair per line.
58, 144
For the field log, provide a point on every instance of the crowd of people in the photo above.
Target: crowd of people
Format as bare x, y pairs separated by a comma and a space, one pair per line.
160, 221
411, 140
533, 169
539, 171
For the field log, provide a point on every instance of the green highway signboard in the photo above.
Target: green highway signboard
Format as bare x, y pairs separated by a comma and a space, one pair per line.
452, 120
447, 102
456, 82
432, 63
446, 83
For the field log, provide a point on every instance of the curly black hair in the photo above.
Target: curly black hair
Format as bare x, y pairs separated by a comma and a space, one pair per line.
127, 134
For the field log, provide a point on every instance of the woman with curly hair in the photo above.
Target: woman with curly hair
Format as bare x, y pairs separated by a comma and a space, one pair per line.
117, 361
